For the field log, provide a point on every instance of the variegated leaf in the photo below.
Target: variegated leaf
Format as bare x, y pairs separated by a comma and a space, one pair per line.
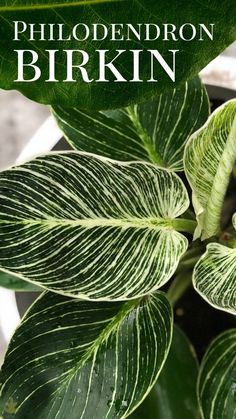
90, 227
234, 221
174, 395
214, 277
156, 130
217, 379
209, 159
79, 360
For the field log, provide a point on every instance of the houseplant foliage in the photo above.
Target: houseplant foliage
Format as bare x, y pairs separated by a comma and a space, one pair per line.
155, 130
103, 235
174, 395
217, 377
103, 95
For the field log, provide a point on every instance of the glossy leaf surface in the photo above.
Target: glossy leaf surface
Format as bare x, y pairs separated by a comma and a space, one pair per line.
75, 359
216, 386
191, 57
174, 395
90, 227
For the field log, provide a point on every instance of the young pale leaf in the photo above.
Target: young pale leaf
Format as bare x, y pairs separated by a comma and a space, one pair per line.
74, 359
174, 395
234, 221
209, 158
214, 277
216, 384
92, 92
156, 130
90, 227
14, 283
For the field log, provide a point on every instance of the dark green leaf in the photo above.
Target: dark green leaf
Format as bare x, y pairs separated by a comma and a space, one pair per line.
79, 360
174, 396
156, 130
192, 56
217, 378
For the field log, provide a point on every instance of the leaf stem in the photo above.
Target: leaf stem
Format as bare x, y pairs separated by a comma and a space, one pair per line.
183, 279
153, 154
184, 225
179, 286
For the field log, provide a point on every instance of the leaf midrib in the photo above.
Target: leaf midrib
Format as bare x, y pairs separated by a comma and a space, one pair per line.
153, 155
158, 224
14, 8
151, 223
113, 325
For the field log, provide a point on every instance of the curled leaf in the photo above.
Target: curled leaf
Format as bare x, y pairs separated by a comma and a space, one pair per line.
209, 159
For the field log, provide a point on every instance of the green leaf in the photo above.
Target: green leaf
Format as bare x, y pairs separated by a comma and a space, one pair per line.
89, 227
191, 56
25, 5
156, 130
14, 283
216, 386
214, 276
209, 159
174, 395
85, 360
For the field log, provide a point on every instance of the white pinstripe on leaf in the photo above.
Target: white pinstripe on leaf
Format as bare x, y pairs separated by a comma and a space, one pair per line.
209, 159
90, 227
216, 384
73, 359
156, 130
214, 276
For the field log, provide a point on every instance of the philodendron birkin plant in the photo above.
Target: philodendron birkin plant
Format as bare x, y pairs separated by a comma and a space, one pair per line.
114, 238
